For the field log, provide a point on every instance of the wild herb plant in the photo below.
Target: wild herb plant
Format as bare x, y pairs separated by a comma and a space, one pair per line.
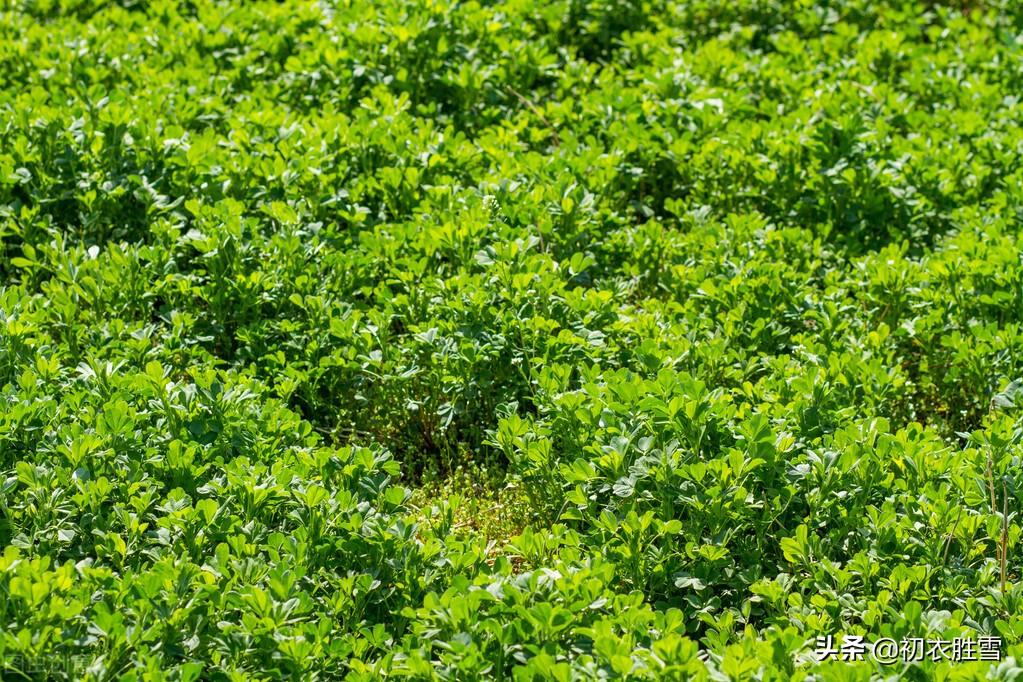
595, 339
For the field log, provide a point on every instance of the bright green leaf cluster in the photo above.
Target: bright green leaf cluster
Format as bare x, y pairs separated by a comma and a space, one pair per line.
579, 339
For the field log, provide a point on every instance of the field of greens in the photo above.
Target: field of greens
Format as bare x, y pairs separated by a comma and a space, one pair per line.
512, 340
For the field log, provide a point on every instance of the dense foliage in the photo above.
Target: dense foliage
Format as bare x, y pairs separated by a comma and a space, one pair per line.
537, 340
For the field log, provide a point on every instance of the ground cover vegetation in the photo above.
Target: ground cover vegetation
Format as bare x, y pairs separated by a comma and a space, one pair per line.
508, 340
